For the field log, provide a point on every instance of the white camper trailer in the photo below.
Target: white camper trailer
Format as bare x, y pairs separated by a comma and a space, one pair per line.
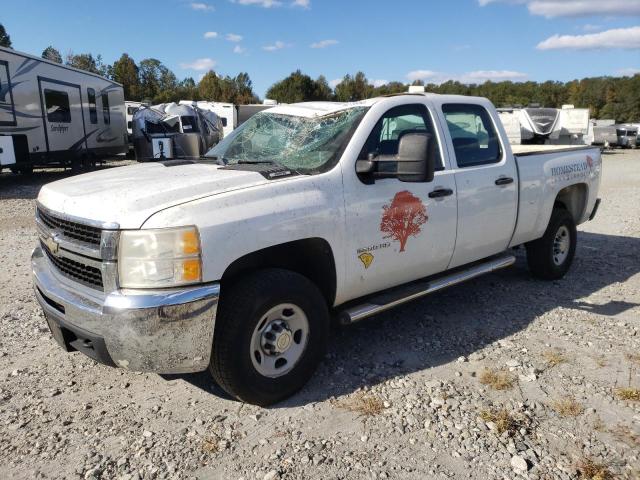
574, 126
131, 108
232, 116
510, 118
168, 131
55, 114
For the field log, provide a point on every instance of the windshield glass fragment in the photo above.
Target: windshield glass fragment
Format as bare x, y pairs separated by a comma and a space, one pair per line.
307, 145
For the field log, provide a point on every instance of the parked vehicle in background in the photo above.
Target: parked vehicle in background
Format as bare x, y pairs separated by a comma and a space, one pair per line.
235, 262
627, 136
606, 137
546, 126
510, 118
131, 109
245, 112
574, 126
539, 125
232, 116
172, 130
52, 114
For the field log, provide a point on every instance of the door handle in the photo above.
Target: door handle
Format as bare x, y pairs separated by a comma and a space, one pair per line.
504, 181
441, 192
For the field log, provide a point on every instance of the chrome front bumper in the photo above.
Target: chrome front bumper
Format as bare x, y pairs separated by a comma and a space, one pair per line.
164, 331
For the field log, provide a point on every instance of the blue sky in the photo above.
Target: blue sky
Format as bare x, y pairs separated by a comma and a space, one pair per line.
469, 40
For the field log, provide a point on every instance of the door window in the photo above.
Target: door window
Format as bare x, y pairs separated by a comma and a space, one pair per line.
93, 112
7, 112
57, 104
475, 140
399, 121
106, 114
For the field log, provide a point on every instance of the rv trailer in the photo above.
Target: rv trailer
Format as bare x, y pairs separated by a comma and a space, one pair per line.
131, 108
539, 125
510, 118
55, 114
627, 136
574, 126
232, 116
172, 131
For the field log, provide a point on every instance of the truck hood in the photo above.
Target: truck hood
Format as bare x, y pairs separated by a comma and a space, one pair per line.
129, 195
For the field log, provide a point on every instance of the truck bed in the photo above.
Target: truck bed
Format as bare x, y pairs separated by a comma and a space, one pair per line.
524, 150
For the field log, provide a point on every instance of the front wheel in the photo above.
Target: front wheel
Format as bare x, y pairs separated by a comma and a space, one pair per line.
271, 332
551, 256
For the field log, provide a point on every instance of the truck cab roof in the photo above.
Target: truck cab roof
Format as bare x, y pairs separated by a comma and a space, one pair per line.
321, 109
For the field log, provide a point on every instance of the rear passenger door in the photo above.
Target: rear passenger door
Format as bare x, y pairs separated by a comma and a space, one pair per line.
486, 180
62, 116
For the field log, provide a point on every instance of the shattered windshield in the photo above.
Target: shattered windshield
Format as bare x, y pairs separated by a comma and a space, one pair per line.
307, 145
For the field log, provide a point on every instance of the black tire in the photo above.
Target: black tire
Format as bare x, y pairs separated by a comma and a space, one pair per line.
542, 257
242, 307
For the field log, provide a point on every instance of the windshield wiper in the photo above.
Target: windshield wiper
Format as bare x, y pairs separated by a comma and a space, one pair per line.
258, 162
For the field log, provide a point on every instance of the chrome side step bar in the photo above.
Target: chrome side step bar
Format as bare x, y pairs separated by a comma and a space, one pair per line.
386, 301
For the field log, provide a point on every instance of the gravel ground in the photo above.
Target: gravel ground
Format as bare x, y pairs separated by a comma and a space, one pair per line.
407, 394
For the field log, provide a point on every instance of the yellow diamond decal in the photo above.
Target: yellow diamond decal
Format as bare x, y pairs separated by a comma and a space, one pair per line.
366, 259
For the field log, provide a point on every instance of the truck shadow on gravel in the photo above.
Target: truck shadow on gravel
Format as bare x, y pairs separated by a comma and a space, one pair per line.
457, 322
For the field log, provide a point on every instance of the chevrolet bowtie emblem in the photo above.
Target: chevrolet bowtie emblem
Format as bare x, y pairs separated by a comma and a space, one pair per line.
52, 244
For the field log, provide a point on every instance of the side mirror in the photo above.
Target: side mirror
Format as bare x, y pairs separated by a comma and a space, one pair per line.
415, 161
416, 158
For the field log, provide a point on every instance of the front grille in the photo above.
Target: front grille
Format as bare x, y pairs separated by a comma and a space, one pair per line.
85, 274
76, 231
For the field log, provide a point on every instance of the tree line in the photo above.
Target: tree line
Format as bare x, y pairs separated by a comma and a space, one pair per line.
149, 80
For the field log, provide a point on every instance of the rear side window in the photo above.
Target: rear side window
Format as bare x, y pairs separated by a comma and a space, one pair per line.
474, 137
93, 112
106, 114
57, 104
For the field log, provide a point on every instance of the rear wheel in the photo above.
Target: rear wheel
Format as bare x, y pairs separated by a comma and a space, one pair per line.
271, 333
551, 256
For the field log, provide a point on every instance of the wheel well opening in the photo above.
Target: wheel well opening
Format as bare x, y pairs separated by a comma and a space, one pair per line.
573, 199
310, 257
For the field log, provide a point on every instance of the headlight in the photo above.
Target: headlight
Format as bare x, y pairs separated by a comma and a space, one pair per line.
159, 258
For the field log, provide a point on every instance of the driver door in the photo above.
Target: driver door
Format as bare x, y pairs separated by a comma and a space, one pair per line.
398, 231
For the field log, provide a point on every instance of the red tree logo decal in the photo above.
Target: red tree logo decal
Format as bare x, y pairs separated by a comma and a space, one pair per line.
403, 218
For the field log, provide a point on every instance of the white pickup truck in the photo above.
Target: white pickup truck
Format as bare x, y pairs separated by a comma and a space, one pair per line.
236, 263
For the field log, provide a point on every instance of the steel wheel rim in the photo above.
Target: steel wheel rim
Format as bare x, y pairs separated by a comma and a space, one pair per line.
561, 245
279, 340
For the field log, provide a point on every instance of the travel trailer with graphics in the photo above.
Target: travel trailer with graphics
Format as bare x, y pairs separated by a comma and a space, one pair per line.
55, 114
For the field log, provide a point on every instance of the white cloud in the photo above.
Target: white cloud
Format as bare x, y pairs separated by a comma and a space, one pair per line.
238, 49
306, 4
278, 45
589, 27
625, 38
199, 64
324, 43
421, 75
628, 72
379, 82
261, 3
232, 37
481, 76
575, 8
210, 34
201, 7
478, 76
334, 83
